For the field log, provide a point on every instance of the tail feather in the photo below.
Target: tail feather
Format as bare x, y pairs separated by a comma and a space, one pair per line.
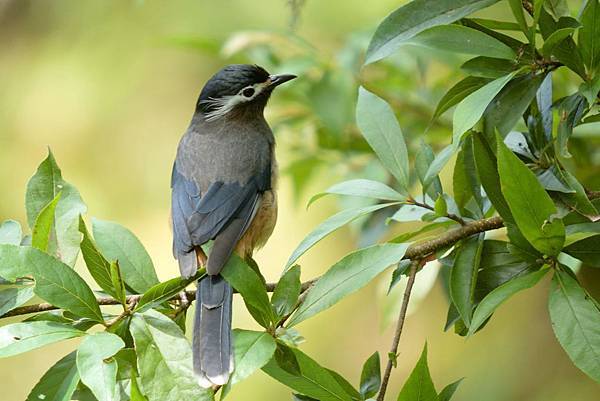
212, 347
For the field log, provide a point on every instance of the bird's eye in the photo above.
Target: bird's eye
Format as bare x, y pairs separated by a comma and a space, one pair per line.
248, 92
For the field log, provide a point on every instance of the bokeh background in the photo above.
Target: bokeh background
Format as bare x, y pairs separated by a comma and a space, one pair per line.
111, 85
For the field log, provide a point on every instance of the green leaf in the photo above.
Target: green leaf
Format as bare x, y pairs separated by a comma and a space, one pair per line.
471, 108
245, 280
464, 276
419, 386
558, 8
55, 282
462, 39
370, 378
58, 383
330, 225
457, 93
586, 250
307, 376
286, 292
423, 160
438, 164
555, 39
415, 17
22, 337
10, 298
162, 292
42, 228
566, 51
448, 391
118, 283
589, 35
347, 276
495, 298
10, 232
516, 7
378, 124
511, 103
498, 266
164, 360
487, 67
118, 243
575, 320
252, 350
570, 111
42, 188
363, 188
532, 208
136, 393
96, 263
96, 367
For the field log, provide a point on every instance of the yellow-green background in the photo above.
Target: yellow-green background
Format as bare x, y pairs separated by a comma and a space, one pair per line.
98, 82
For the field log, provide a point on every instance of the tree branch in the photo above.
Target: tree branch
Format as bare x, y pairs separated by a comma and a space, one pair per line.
415, 252
394, 349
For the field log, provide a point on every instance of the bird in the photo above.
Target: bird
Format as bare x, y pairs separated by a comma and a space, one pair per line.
223, 190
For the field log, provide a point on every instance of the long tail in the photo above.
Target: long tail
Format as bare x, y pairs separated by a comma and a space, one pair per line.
211, 346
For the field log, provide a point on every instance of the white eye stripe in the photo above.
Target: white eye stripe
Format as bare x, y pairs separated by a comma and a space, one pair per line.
223, 105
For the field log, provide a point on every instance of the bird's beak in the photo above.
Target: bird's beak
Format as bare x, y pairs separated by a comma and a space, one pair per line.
277, 80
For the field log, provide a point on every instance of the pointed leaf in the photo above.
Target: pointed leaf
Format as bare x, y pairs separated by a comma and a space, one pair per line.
458, 92
245, 280
98, 371
419, 386
58, 383
118, 243
380, 128
586, 250
589, 35
471, 108
22, 337
347, 276
96, 263
308, 377
287, 292
164, 360
162, 292
464, 276
532, 208
252, 350
42, 188
462, 39
575, 320
10, 298
448, 391
328, 226
42, 228
415, 17
55, 282
370, 378
495, 298
363, 188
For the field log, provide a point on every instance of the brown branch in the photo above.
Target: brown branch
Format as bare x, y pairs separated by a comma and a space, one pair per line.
394, 349
414, 252
189, 295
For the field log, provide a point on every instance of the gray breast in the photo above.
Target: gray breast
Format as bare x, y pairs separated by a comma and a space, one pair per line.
226, 151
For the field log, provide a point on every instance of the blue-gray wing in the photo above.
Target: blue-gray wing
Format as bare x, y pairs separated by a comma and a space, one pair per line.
222, 213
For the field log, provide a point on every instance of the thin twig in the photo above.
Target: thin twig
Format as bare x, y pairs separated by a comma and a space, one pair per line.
399, 325
451, 216
190, 295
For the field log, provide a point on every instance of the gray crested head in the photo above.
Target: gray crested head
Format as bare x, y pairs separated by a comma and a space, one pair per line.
238, 89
